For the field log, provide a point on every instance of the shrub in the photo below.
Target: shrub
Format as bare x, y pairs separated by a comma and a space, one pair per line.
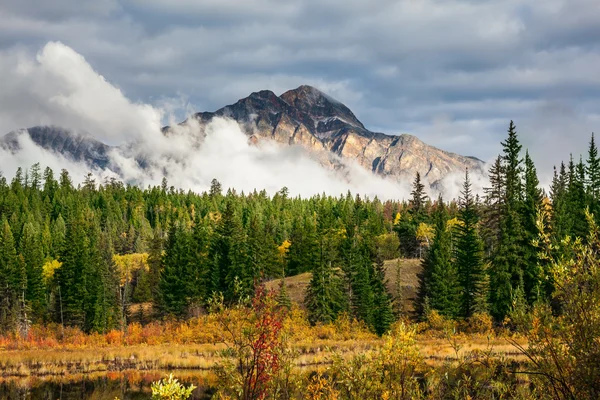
479, 323
171, 389
252, 359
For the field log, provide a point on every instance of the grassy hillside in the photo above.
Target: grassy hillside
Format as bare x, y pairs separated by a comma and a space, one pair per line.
408, 268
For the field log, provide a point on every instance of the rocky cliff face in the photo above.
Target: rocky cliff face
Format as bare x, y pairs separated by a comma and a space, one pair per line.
75, 146
303, 117
327, 128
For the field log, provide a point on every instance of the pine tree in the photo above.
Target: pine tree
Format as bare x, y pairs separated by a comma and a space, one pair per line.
33, 256
469, 252
439, 283
12, 280
361, 271
512, 167
283, 298
593, 174
199, 263
229, 272
532, 275
409, 222
155, 255
304, 250
577, 199
506, 270
173, 287
494, 199
102, 283
383, 313
325, 298
262, 251
72, 275
558, 194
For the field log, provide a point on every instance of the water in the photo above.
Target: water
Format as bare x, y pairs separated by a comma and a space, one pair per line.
132, 385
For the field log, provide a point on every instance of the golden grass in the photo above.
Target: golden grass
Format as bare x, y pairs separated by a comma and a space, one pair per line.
310, 353
409, 269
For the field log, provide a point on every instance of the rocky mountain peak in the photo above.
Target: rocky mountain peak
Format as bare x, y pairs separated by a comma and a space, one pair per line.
303, 117
327, 113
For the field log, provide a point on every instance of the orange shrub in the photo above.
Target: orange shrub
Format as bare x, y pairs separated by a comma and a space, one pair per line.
114, 337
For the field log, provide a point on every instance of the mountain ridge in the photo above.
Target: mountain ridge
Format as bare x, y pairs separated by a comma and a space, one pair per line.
304, 117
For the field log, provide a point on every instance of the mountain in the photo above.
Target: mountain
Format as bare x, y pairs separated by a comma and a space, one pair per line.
76, 146
304, 117
309, 118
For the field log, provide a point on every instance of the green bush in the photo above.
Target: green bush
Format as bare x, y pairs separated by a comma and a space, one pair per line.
171, 389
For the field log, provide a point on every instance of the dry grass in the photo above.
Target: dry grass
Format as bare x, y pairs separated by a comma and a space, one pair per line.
295, 285
310, 353
409, 281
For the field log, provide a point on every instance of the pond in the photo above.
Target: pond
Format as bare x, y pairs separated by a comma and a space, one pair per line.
110, 385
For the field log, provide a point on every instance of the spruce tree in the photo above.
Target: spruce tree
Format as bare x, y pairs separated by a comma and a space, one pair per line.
362, 298
229, 272
283, 298
469, 252
325, 298
506, 269
439, 286
558, 194
72, 275
532, 275
383, 313
304, 250
11, 280
577, 199
155, 254
494, 203
33, 256
593, 176
409, 222
173, 287
102, 284
199, 263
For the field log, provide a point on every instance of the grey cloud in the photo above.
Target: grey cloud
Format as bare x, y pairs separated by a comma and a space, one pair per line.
452, 72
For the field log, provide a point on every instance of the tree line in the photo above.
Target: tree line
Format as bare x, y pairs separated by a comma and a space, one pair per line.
79, 256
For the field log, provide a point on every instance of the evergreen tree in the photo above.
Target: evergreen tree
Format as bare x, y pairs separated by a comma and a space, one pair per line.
325, 298
199, 265
409, 222
71, 276
155, 255
558, 193
283, 298
33, 257
173, 286
102, 283
506, 270
262, 251
577, 199
494, 199
439, 288
593, 177
469, 252
383, 313
304, 250
532, 275
361, 272
229, 272
12, 281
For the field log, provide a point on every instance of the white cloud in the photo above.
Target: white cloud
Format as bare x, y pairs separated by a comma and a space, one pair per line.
31, 153
59, 87
69, 93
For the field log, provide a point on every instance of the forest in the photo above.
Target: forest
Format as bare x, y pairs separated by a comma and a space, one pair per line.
520, 257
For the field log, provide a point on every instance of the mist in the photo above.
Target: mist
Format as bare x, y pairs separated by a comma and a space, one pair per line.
58, 87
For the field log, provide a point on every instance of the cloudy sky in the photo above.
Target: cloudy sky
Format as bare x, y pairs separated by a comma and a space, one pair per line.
452, 72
